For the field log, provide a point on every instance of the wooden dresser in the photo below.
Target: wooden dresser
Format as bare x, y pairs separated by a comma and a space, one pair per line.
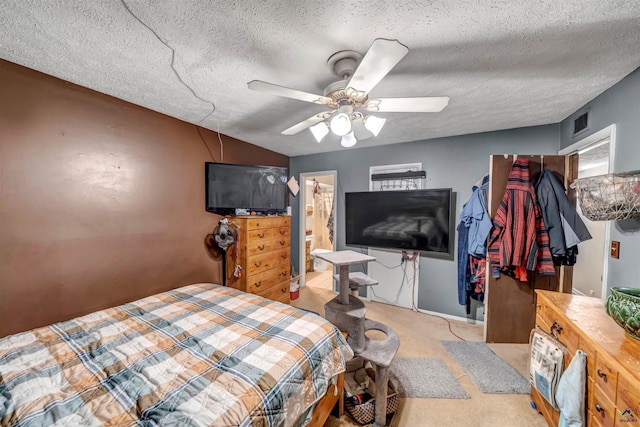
264, 255
613, 358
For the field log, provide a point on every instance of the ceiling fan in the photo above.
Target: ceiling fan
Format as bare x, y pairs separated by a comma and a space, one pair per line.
346, 97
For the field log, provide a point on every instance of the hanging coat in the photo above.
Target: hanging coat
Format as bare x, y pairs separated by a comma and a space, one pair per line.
473, 231
519, 238
565, 227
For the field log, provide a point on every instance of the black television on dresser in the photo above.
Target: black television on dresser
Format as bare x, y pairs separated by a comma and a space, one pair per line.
411, 220
253, 188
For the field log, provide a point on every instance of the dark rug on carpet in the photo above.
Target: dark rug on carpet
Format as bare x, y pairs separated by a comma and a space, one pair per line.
489, 373
423, 377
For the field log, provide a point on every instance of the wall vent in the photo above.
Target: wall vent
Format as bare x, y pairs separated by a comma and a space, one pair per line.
581, 123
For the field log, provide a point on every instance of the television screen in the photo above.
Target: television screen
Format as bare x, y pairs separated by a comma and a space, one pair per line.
261, 189
413, 220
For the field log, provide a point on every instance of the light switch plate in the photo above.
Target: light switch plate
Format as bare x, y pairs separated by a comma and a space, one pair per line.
615, 249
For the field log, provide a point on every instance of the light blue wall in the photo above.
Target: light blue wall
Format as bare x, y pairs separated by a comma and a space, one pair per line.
455, 162
620, 105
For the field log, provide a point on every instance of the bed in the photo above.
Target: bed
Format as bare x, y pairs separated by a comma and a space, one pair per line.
200, 355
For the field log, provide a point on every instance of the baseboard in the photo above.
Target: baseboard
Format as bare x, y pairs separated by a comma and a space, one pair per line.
577, 292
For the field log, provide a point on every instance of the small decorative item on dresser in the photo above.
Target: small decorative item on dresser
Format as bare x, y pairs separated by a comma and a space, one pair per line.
623, 305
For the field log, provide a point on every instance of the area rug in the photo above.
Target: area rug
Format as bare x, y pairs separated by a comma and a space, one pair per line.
423, 377
489, 373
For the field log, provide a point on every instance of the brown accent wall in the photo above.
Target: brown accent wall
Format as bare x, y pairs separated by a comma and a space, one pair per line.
101, 201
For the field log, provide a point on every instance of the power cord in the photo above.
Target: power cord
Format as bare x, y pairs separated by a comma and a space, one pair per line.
394, 302
415, 307
173, 61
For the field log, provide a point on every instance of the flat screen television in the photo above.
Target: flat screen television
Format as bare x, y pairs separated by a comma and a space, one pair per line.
260, 189
412, 220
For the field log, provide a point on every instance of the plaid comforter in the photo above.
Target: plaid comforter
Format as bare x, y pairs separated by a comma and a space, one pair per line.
195, 356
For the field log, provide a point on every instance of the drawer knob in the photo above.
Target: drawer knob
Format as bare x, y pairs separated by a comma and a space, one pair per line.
261, 247
602, 375
261, 235
284, 290
282, 242
257, 224
257, 264
555, 327
283, 273
599, 408
284, 256
258, 284
282, 232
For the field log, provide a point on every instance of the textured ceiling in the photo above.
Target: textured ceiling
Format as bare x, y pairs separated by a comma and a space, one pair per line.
504, 64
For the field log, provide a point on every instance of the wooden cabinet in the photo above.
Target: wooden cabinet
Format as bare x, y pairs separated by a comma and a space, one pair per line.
613, 358
263, 253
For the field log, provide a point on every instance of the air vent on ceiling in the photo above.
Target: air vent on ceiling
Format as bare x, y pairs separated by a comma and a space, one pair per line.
581, 123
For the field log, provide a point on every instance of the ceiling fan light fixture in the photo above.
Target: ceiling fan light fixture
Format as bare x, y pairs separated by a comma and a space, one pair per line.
374, 124
341, 124
319, 131
348, 140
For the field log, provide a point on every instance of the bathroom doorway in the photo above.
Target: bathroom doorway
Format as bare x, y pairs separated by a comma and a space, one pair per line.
317, 227
595, 157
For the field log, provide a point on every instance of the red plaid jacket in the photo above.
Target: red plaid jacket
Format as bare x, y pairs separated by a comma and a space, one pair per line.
519, 237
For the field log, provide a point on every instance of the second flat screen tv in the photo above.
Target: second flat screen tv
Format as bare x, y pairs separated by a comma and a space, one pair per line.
412, 220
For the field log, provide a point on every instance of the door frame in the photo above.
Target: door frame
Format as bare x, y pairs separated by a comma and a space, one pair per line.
608, 132
302, 221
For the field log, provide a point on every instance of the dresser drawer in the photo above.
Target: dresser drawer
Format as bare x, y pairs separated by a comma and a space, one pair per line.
260, 235
606, 376
278, 292
593, 420
603, 408
262, 281
268, 222
264, 262
555, 325
261, 246
628, 398
281, 232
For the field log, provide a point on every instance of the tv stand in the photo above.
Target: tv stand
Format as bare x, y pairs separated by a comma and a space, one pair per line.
347, 312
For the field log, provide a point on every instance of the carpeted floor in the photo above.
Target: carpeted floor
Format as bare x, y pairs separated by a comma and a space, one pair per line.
421, 336
426, 378
488, 372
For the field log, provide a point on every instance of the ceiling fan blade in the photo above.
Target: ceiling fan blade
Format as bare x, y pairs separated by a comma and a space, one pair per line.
273, 89
424, 104
382, 56
307, 123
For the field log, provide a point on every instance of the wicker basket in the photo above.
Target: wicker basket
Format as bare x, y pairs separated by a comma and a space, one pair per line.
614, 196
365, 413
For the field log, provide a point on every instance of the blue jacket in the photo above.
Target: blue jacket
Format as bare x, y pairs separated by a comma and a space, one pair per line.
473, 230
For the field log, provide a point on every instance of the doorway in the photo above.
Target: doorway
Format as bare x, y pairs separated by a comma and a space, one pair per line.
595, 157
317, 227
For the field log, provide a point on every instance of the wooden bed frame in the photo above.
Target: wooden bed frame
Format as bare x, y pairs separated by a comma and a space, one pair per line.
325, 405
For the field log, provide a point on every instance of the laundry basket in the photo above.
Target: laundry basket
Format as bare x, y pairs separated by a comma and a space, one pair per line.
614, 196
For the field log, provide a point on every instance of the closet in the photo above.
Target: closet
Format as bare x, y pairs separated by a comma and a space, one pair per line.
510, 305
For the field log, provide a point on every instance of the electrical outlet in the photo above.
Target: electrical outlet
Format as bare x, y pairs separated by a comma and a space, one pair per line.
615, 249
